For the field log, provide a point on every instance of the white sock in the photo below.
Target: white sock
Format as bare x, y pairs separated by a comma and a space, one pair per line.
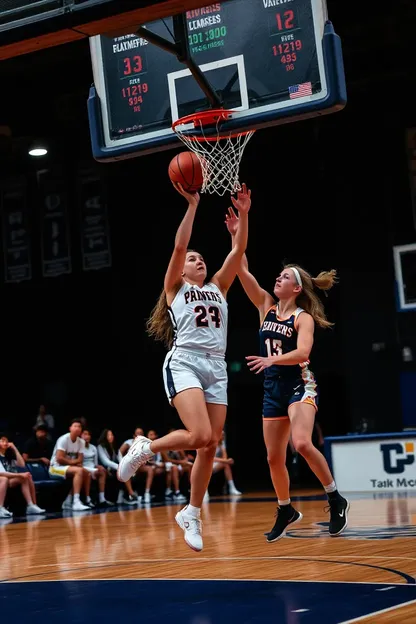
231, 484
147, 492
330, 488
87, 499
282, 503
146, 448
76, 498
168, 491
101, 497
69, 498
195, 512
29, 502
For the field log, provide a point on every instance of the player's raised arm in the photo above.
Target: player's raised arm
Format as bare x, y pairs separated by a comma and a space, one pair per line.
257, 295
226, 275
173, 277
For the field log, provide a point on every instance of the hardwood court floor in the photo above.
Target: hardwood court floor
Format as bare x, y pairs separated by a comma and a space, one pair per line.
378, 547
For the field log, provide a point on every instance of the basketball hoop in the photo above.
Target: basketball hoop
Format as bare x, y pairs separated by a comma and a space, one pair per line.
219, 150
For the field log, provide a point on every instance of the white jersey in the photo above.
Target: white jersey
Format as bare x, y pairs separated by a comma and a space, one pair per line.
64, 443
200, 317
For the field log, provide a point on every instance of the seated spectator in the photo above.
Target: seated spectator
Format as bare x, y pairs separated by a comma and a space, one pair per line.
39, 448
162, 464
12, 474
107, 456
147, 469
90, 462
67, 460
223, 462
45, 419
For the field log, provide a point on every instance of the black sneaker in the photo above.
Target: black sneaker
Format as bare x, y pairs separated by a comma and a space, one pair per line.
338, 509
284, 516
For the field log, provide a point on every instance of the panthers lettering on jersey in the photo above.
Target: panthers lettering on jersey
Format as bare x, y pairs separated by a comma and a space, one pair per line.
278, 337
199, 317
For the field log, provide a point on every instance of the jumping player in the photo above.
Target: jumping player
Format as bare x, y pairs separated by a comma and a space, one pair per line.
290, 391
191, 318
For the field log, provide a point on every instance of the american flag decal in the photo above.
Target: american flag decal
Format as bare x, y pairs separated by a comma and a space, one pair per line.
300, 90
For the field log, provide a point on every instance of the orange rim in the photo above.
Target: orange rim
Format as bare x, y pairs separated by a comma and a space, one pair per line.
207, 118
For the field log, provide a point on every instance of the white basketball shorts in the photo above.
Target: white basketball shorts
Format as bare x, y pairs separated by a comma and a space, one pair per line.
184, 369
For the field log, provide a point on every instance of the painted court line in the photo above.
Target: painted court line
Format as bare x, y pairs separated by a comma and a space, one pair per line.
233, 580
355, 558
365, 617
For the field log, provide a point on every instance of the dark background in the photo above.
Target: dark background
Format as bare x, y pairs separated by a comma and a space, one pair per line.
327, 193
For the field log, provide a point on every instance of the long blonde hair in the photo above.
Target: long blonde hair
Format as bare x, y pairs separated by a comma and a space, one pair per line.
159, 325
308, 299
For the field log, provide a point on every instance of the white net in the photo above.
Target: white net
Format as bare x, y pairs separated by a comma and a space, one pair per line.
220, 155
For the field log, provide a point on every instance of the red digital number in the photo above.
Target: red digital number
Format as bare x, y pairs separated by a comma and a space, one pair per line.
134, 65
134, 90
288, 58
284, 48
287, 22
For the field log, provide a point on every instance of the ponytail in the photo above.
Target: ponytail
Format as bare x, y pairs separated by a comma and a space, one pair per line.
308, 299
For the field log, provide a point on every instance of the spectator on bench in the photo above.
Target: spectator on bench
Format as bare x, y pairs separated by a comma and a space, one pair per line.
108, 457
39, 448
97, 472
67, 459
12, 474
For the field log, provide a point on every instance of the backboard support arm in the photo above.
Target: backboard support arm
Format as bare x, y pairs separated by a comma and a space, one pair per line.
181, 50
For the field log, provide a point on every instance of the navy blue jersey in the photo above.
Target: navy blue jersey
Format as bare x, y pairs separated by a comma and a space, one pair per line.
278, 337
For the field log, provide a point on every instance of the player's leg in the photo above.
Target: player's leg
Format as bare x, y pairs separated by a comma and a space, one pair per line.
202, 468
302, 417
193, 412
184, 390
213, 375
276, 432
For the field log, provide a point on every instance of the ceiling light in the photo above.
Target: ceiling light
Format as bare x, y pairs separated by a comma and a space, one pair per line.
38, 151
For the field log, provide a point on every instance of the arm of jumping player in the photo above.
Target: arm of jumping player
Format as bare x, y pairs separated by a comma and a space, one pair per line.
173, 277
300, 355
228, 272
257, 295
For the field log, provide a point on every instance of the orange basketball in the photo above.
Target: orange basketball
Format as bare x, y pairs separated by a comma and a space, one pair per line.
186, 169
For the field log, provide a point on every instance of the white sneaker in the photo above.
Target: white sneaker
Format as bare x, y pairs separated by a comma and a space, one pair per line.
67, 504
79, 506
133, 459
147, 497
192, 529
34, 509
235, 492
5, 513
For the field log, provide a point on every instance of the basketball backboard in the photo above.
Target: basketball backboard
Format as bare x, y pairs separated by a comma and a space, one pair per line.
405, 274
270, 61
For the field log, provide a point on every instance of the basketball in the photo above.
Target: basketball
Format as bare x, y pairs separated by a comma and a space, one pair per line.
186, 169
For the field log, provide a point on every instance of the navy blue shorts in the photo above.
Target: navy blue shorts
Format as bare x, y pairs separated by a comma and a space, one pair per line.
280, 393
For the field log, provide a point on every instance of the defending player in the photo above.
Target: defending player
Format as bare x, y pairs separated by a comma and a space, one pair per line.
191, 318
290, 391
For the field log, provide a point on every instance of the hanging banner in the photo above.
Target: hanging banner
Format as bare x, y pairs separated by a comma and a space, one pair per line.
95, 233
16, 235
56, 253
